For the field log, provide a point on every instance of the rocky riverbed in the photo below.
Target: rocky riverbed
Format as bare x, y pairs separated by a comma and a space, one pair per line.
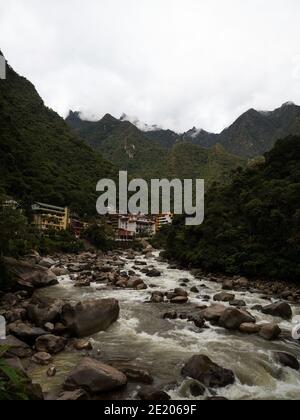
130, 325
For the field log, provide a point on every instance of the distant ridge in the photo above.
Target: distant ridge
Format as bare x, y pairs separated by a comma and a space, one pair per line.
153, 154
254, 132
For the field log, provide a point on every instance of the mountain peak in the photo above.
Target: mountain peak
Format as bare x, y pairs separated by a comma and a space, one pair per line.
250, 113
286, 104
74, 115
109, 117
139, 124
254, 132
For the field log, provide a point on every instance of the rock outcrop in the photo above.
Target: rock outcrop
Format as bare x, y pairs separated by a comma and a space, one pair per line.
90, 317
207, 372
95, 377
29, 276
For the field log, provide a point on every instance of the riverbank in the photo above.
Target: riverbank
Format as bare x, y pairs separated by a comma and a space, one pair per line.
167, 316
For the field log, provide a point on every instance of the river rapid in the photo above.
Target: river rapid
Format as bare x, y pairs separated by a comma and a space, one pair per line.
143, 337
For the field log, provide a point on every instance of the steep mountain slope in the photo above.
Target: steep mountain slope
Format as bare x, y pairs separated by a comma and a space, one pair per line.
122, 143
201, 138
166, 138
253, 133
40, 157
187, 160
153, 154
252, 224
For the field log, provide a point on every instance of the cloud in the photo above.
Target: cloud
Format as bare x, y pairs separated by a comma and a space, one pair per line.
173, 63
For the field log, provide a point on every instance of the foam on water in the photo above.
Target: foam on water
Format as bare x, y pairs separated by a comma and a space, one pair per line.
163, 346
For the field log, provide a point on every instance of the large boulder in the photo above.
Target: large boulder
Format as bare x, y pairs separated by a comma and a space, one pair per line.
157, 297
238, 303
213, 313
95, 377
228, 285
153, 273
250, 328
16, 347
30, 276
16, 314
50, 344
26, 332
224, 297
202, 369
197, 320
287, 360
242, 282
40, 311
179, 300
42, 358
60, 271
90, 317
279, 309
180, 292
134, 373
270, 331
233, 318
197, 390
47, 262
134, 282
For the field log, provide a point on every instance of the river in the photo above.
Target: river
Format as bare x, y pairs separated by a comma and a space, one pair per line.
142, 336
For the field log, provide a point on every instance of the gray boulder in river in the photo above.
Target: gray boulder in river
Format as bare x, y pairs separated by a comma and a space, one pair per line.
95, 377
29, 276
205, 371
279, 309
90, 317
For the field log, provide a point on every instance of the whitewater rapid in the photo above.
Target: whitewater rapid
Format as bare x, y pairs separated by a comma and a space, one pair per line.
143, 337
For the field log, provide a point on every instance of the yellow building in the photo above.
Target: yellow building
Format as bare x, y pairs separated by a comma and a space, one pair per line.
47, 217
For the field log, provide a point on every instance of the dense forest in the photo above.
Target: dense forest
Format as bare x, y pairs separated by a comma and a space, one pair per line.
252, 224
156, 154
41, 159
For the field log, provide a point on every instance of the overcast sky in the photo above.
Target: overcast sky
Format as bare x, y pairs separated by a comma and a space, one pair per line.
176, 63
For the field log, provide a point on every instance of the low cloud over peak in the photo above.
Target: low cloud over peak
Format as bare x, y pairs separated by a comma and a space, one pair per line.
173, 64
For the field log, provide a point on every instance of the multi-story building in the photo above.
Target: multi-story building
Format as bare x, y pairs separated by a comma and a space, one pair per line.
145, 227
47, 217
77, 226
128, 227
163, 220
10, 204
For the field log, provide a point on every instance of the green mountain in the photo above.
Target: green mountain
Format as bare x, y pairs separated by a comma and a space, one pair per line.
40, 157
253, 133
166, 138
154, 154
191, 161
252, 224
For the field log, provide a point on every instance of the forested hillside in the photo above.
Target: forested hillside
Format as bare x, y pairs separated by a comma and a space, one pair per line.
252, 224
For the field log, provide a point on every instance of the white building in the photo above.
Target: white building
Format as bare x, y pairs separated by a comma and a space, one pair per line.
131, 226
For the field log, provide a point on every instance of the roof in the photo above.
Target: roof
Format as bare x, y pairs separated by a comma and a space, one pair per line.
48, 206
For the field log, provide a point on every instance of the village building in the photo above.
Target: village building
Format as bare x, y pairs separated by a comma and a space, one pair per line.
77, 226
48, 217
10, 204
163, 220
129, 227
